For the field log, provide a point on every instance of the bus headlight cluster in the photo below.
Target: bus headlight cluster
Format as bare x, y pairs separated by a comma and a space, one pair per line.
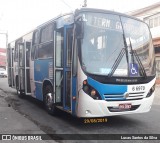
90, 91
151, 91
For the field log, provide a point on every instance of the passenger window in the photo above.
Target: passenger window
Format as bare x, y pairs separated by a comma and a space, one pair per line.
16, 49
35, 38
16, 54
59, 48
45, 49
47, 33
34, 45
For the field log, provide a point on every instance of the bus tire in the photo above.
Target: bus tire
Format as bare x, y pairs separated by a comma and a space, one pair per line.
19, 91
21, 94
48, 100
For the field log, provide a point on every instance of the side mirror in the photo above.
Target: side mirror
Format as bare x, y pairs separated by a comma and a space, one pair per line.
79, 28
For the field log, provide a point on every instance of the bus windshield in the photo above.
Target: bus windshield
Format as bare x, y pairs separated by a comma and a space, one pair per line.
116, 45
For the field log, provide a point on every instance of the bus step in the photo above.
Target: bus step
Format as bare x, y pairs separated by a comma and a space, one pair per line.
67, 109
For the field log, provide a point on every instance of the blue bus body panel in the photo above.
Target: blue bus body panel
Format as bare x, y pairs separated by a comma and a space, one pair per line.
74, 91
43, 70
38, 91
108, 89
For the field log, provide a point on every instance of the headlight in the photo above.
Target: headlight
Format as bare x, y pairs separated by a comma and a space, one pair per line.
90, 91
151, 91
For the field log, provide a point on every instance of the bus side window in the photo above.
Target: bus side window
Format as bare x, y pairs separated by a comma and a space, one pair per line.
34, 45
16, 49
16, 54
45, 49
59, 48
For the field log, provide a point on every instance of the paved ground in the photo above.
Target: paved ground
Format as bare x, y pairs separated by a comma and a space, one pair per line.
11, 122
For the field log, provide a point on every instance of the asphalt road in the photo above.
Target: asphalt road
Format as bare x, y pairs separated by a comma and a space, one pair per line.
63, 123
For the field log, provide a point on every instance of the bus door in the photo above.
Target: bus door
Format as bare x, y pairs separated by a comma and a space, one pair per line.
62, 67
21, 67
67, 67
27, 68
24, 67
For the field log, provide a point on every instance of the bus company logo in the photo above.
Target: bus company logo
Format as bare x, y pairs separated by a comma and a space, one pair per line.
6, 137
126, 94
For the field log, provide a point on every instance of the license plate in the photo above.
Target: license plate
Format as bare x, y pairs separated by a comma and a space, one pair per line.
125, 106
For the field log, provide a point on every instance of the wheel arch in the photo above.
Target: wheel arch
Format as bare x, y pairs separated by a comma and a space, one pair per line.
44, 84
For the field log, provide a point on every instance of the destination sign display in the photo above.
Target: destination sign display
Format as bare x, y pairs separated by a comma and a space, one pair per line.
112, 22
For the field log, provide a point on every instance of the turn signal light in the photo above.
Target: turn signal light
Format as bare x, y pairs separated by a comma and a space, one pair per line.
84, 82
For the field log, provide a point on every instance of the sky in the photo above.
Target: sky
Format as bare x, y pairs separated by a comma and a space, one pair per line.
18, 17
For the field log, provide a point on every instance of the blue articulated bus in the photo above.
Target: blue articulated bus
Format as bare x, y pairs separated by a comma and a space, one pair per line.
90, 63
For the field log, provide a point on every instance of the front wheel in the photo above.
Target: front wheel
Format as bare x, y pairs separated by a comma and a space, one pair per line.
48, 100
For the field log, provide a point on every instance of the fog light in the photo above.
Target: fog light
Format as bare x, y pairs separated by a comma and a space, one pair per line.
88, 111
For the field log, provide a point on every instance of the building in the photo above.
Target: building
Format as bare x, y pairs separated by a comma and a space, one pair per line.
151, 15
3, 57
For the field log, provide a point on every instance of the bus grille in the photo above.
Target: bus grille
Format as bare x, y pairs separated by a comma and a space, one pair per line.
120, 97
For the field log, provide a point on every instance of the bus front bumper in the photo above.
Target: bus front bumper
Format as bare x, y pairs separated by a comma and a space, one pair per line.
88, 107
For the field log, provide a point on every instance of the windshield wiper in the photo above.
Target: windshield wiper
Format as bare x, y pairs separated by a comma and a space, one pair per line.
132, 56
126, 50
116, 63
120, 56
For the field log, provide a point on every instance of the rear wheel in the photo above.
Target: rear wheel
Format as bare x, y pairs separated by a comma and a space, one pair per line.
17, 88
19, 91
48, 100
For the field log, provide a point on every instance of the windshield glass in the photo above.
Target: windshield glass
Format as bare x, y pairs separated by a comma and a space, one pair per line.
116, 46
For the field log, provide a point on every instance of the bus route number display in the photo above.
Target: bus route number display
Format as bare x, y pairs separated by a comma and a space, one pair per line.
102, 22
109, 22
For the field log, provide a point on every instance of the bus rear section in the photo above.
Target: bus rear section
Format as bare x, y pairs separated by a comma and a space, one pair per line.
18, 54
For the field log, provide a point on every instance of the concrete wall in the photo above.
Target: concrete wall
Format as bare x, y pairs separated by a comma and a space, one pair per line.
3, 57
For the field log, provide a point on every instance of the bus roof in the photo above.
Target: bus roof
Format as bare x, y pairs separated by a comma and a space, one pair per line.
60, 17
77, 11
